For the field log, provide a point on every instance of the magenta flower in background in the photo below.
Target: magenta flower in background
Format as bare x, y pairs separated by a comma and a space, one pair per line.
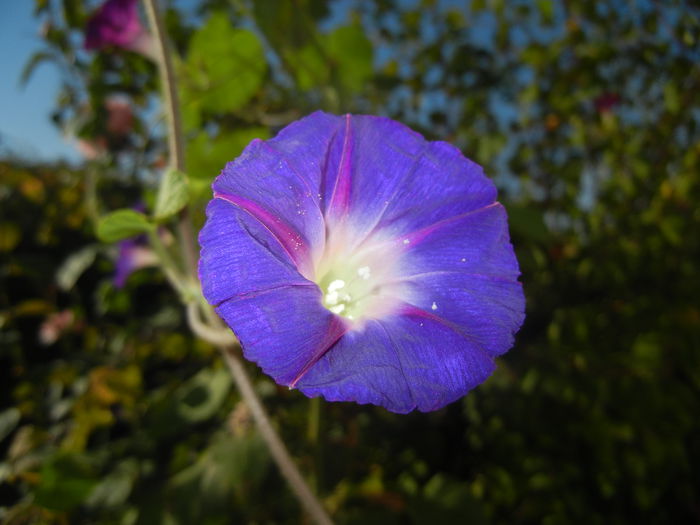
116, 23
355, 260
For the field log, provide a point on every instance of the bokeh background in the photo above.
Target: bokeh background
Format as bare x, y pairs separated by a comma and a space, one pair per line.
585, 114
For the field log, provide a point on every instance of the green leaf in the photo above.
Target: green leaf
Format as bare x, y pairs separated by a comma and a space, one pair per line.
546, 8
310, 67
672, 98
527, 222
289, 25
207, 156
8, 421
66, 480
343, 56
224, 69
31, 65
121, 224
10, 236
114, 488
173, 194
201, 396
352, 54
75, 265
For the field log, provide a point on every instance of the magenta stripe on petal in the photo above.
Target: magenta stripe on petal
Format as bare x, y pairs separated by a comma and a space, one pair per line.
340, 199
416, 237
291, 241
339, 327
413, 311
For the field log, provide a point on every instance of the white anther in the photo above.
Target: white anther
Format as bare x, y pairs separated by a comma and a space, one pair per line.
337, 308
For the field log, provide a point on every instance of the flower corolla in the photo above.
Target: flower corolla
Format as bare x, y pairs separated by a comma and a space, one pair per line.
357, 261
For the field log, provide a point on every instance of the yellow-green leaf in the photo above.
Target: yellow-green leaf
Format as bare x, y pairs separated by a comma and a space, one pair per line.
173, 194
121, 224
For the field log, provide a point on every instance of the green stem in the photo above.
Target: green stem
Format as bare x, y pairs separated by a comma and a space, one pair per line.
168, 264
313, 435
91, 200
274, 443
175, 142
174, 123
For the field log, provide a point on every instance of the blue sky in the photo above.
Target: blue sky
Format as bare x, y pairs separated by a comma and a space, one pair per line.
25, 127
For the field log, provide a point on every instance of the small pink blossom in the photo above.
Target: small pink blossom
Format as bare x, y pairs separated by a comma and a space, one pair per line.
54, 326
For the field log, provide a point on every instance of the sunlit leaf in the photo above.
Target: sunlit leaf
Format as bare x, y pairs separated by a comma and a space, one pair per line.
207, 156
121, 224
173, 194
75, 265
352, 52
9, 418
342, 57
65, 482
202, 396
224, 69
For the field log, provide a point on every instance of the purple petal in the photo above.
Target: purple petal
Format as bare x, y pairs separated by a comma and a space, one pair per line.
305, 145
486, 308
263, 182
239, 255
339, 177
401, 363
475, 242
405, 239
124, 265
285, 330
401, 182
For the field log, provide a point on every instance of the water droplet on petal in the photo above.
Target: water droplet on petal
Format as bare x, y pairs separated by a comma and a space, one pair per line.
433, 306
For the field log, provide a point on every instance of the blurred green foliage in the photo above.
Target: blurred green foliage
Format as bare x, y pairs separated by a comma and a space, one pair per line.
587, 116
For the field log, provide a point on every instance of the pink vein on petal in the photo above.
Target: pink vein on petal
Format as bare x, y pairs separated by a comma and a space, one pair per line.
340, 200
337, 329
292, 242
414, 311
408, 240
418, 235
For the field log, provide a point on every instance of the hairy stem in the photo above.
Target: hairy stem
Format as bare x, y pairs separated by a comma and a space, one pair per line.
174, 122
168, 265
277, 449
218, 336
175, 142
91, 200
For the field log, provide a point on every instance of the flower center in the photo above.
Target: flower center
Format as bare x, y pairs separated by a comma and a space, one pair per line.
357, 283
345, 291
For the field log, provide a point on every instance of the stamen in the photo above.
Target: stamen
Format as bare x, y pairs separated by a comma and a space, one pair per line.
354, 281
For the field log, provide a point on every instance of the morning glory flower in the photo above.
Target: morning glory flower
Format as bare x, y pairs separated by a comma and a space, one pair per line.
116, 23
357, 261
